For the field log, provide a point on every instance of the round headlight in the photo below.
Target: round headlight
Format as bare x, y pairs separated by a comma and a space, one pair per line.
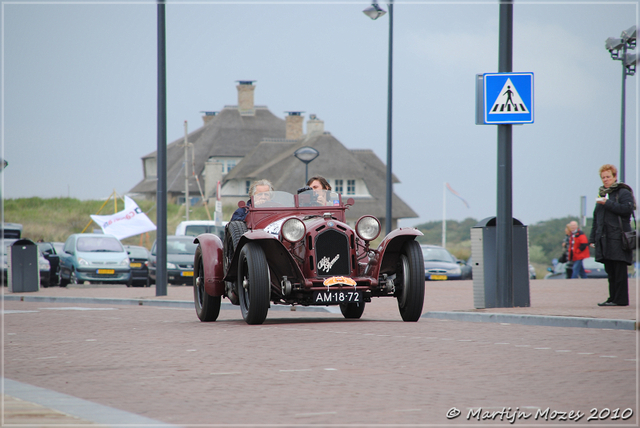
293, 230
368, 228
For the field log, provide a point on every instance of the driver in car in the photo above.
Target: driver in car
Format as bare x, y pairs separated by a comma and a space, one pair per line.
321, 189
261, 192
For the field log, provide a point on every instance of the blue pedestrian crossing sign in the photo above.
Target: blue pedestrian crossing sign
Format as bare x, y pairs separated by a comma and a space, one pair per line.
504, 98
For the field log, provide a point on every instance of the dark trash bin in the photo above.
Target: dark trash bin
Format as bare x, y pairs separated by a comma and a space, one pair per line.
485, 264
24, 272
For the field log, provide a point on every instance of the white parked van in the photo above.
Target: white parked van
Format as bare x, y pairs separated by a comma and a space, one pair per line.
197, 227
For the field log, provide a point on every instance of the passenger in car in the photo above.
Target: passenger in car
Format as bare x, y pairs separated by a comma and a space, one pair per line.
321, 188
260, 191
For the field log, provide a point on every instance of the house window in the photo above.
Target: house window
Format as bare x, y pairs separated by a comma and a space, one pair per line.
351, 187
247, 186
229, 165
338, 186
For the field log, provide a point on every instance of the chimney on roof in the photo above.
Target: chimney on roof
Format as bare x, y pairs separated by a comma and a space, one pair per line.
208, 116
245, 97
315, 126
294, 122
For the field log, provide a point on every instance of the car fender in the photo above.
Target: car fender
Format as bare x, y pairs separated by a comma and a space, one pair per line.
279, 258
211, 247
388, 252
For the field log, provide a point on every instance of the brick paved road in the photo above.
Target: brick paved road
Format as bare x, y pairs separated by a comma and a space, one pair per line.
314, 368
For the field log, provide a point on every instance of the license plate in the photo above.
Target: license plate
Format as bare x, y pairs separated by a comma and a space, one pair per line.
136, 265
106, 271
438, 277
187, 273
335, 297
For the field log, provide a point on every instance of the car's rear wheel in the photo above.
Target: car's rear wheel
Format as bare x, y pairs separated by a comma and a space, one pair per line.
253, 284
410, 281
63, 282
207, 307
235, 230
352, 310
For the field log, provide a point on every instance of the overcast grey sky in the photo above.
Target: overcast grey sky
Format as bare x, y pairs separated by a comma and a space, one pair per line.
79, 92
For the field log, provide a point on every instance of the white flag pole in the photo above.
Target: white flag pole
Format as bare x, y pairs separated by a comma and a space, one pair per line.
444, 215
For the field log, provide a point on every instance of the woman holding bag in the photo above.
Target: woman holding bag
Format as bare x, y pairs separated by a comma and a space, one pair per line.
610, 219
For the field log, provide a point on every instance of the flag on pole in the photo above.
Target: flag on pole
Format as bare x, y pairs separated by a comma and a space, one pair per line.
456, 194
129, 222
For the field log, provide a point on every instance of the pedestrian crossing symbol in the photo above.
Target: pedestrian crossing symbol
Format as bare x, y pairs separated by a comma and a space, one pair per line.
509, 101
508, 98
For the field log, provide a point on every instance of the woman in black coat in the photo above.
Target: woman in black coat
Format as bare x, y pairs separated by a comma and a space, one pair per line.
613, 210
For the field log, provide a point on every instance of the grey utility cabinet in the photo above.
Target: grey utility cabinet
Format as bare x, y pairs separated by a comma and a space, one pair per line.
24, 272
485, 264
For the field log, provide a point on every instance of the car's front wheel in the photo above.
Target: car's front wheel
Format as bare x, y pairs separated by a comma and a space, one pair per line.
410, 286
253, 284
207, 307
73, 278
352, 310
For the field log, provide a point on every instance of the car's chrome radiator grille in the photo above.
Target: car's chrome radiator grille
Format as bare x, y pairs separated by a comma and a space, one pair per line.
332, 253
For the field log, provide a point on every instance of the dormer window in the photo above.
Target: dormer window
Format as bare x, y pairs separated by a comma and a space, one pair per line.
227, 163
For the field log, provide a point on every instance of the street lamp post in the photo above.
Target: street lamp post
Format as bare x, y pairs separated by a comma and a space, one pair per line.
618, 48
374, 12
306, 154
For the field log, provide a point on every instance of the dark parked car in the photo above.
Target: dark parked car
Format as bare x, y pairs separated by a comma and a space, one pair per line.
299, 250
439, 264
138, 262
48, 251
180, 254
592, 268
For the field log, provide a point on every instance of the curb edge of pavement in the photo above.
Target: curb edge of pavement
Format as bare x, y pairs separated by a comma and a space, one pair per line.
525, 319
186, 304
539, 320
77, 407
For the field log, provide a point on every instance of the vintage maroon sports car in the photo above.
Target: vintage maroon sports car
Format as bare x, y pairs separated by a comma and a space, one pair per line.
299, 250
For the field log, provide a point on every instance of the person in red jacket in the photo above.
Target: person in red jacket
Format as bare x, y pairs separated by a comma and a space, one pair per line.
578, 250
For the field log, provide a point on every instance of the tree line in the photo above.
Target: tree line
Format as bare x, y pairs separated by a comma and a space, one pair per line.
545, 237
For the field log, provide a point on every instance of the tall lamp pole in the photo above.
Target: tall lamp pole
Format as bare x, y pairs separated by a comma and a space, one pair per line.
374, 12
618, 48
161, 189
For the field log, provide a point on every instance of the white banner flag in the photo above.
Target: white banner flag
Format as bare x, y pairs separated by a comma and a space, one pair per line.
129, 222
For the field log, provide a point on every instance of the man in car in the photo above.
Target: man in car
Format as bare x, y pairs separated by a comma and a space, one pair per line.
321, 188
260, 190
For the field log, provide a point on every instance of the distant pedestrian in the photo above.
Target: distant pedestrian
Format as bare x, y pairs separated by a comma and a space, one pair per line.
578, 250
564, 258
610, 218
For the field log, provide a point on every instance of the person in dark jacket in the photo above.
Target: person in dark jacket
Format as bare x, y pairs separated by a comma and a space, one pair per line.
260, 189
613, 209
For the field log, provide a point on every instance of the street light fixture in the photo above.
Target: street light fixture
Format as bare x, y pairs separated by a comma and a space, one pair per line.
618, 48
306, 154
374, 12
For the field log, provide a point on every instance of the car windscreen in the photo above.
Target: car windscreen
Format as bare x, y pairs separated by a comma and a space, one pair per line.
138, 253
99, 244
195, 230
182, 246
437, 255
273, 199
